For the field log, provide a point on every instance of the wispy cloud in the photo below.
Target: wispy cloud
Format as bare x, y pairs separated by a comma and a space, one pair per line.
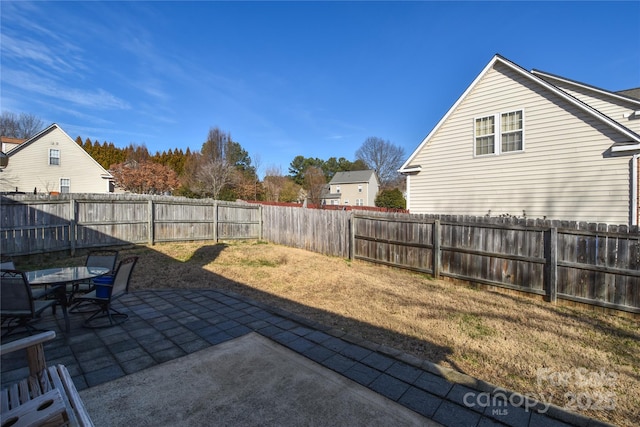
33, 51
31, 83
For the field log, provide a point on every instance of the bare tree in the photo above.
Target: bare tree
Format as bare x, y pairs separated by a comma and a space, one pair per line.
29, 125
273, 183
19, 126
217, 144
9, 126
213, 175
383, 157
314, 183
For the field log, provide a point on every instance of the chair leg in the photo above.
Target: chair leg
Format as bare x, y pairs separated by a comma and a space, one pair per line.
115, 317
22, 322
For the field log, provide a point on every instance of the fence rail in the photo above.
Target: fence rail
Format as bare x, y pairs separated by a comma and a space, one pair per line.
595, 264
71, 222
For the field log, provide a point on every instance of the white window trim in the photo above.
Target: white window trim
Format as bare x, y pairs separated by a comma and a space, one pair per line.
60, 185
51, 150
497, 140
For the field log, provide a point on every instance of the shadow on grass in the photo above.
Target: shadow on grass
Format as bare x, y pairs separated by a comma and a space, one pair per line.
157, 270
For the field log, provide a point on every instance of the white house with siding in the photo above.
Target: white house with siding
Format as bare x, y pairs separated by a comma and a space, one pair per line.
531, 144
52, 162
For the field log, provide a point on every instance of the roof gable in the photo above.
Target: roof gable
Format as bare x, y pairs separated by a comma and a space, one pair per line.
407, 167
48, 130
352, 177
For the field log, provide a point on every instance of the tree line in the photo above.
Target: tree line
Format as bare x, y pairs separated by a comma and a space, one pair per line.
222, 169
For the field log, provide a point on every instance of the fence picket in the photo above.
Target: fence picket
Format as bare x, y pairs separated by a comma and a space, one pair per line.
588, 263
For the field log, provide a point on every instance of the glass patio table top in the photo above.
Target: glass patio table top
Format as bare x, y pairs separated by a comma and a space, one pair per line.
63, 275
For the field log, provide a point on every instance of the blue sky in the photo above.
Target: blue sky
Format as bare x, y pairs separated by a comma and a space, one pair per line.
289, 78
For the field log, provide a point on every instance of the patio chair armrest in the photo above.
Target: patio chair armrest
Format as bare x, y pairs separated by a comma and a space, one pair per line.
35, 349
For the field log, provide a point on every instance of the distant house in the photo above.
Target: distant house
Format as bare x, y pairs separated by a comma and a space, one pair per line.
531, 144
355, 188
52, 162
10, 143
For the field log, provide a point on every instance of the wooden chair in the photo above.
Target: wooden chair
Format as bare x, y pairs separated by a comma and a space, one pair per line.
104, 296
17, 302
47, 397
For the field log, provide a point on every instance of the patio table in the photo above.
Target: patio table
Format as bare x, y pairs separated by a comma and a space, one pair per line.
59, 278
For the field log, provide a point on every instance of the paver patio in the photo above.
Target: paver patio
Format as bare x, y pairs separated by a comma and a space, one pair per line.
167, 324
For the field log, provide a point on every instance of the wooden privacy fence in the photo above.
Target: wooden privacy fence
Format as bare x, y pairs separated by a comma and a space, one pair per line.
593, 264
32, 225
324, 231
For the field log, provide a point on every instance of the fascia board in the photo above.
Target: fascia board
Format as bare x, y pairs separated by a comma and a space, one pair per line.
625, 148
33, 138
85, 153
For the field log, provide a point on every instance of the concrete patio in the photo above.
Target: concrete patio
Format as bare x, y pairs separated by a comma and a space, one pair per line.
165, 325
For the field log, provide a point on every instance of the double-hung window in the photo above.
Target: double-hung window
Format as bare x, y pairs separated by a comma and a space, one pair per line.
485, 135
54, 156
499, 133
65, 185
511, 131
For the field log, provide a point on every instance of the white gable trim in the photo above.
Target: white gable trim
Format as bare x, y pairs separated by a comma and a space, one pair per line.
538, 80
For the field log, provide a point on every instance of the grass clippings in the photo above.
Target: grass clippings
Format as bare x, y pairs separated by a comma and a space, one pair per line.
586, 361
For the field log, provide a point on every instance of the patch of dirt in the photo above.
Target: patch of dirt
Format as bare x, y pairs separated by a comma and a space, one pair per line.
586, 361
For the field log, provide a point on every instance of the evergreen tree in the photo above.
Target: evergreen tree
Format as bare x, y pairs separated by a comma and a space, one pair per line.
392, 199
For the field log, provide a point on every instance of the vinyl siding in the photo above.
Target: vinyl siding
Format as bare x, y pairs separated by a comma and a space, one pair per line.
350, 192
29, 168
610, 106
562, 173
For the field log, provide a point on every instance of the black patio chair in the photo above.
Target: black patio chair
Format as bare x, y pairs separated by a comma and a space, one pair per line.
18, 308
97, 258
104, 295
107, 258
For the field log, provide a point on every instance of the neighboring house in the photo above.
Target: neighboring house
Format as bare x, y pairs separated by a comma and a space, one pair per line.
354, 188
10, 143
52, 162
531, 144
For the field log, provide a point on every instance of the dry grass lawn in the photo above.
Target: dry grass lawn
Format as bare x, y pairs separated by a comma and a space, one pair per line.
589, 360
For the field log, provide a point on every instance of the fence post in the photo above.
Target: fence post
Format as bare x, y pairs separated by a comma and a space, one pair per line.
73, 220
151, 221
436, 248
261, 222
552, 264
215, 221
352, 236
